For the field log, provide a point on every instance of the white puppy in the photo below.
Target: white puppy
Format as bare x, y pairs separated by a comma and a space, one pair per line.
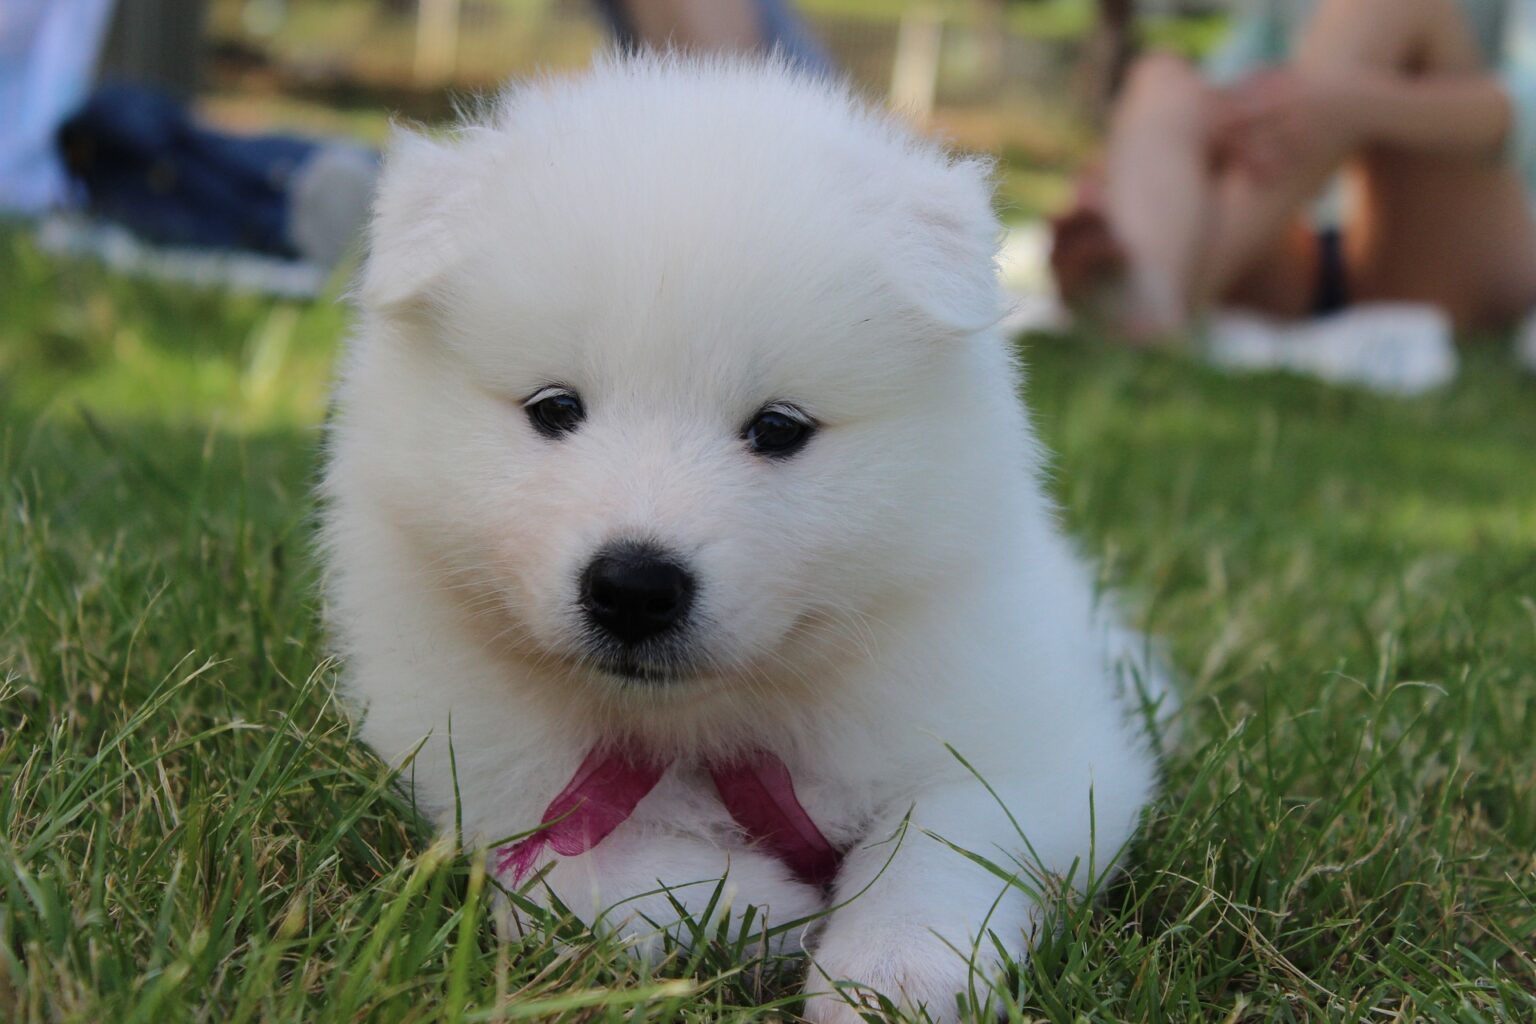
675, 445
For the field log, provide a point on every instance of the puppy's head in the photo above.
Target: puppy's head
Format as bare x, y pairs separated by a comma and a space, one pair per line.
674, 371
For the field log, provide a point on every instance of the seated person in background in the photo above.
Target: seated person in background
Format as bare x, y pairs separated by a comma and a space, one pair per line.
1428, 106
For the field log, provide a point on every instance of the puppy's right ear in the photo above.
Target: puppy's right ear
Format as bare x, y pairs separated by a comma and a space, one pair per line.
410, 243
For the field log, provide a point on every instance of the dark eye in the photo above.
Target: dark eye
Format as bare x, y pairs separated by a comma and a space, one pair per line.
778, 431
554, 411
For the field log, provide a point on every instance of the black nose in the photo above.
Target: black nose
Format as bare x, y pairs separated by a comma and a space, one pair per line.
635, 593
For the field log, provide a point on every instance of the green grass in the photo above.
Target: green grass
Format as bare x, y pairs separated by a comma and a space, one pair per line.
189, 832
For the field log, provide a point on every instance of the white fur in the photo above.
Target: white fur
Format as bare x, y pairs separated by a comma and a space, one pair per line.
683, 243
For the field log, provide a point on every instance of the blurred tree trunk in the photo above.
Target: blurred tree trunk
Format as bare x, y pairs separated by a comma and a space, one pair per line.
915, 67
437, 41
991, 36
157, 43
1109, 53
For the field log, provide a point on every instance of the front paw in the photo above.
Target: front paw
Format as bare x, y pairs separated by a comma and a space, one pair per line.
912, 968
653, 891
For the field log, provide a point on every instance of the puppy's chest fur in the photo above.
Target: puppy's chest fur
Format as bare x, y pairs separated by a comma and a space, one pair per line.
685, 801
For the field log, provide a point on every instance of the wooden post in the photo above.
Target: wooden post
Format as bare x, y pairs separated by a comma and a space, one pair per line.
991, 33
157, 43
437, 41
1118, 18
915, 69
1109, 54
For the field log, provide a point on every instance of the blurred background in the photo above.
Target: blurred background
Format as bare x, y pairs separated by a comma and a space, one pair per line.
1029, 81
1024, 78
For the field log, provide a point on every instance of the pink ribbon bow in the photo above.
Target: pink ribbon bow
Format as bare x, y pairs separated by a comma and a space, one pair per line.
757, 791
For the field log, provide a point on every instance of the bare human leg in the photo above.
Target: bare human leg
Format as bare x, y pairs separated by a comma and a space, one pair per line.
1142, 216
1185, 227
1450, 229
1160, 183
1155, 217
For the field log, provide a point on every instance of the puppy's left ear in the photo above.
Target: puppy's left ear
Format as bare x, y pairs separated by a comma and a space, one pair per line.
946, 254
410, 241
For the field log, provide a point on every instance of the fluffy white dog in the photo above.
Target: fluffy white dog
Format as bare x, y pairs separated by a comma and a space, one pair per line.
679, 483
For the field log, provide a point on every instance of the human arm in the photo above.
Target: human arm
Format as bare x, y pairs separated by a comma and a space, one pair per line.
1277, 116
1466, 115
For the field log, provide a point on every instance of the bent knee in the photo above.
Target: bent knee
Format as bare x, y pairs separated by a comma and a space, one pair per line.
1160, 76
1165, 88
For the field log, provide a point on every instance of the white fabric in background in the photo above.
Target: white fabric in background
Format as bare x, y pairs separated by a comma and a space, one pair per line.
48, 55
71, 234
1392, 348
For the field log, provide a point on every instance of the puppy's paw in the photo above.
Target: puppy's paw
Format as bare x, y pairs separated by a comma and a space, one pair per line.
650, 890
912, 968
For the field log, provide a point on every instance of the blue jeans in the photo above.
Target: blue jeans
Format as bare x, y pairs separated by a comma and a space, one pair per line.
145, 164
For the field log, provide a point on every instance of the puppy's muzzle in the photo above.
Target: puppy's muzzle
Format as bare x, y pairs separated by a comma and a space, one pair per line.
634, 593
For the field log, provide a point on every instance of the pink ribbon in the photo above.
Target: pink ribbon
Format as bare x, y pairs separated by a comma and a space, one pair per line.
757, 791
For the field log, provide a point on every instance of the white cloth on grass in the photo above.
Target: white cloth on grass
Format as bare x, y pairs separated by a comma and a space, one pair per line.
1393, 348
74, 235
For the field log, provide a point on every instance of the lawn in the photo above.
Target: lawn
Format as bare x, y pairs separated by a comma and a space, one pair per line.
1348, 829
